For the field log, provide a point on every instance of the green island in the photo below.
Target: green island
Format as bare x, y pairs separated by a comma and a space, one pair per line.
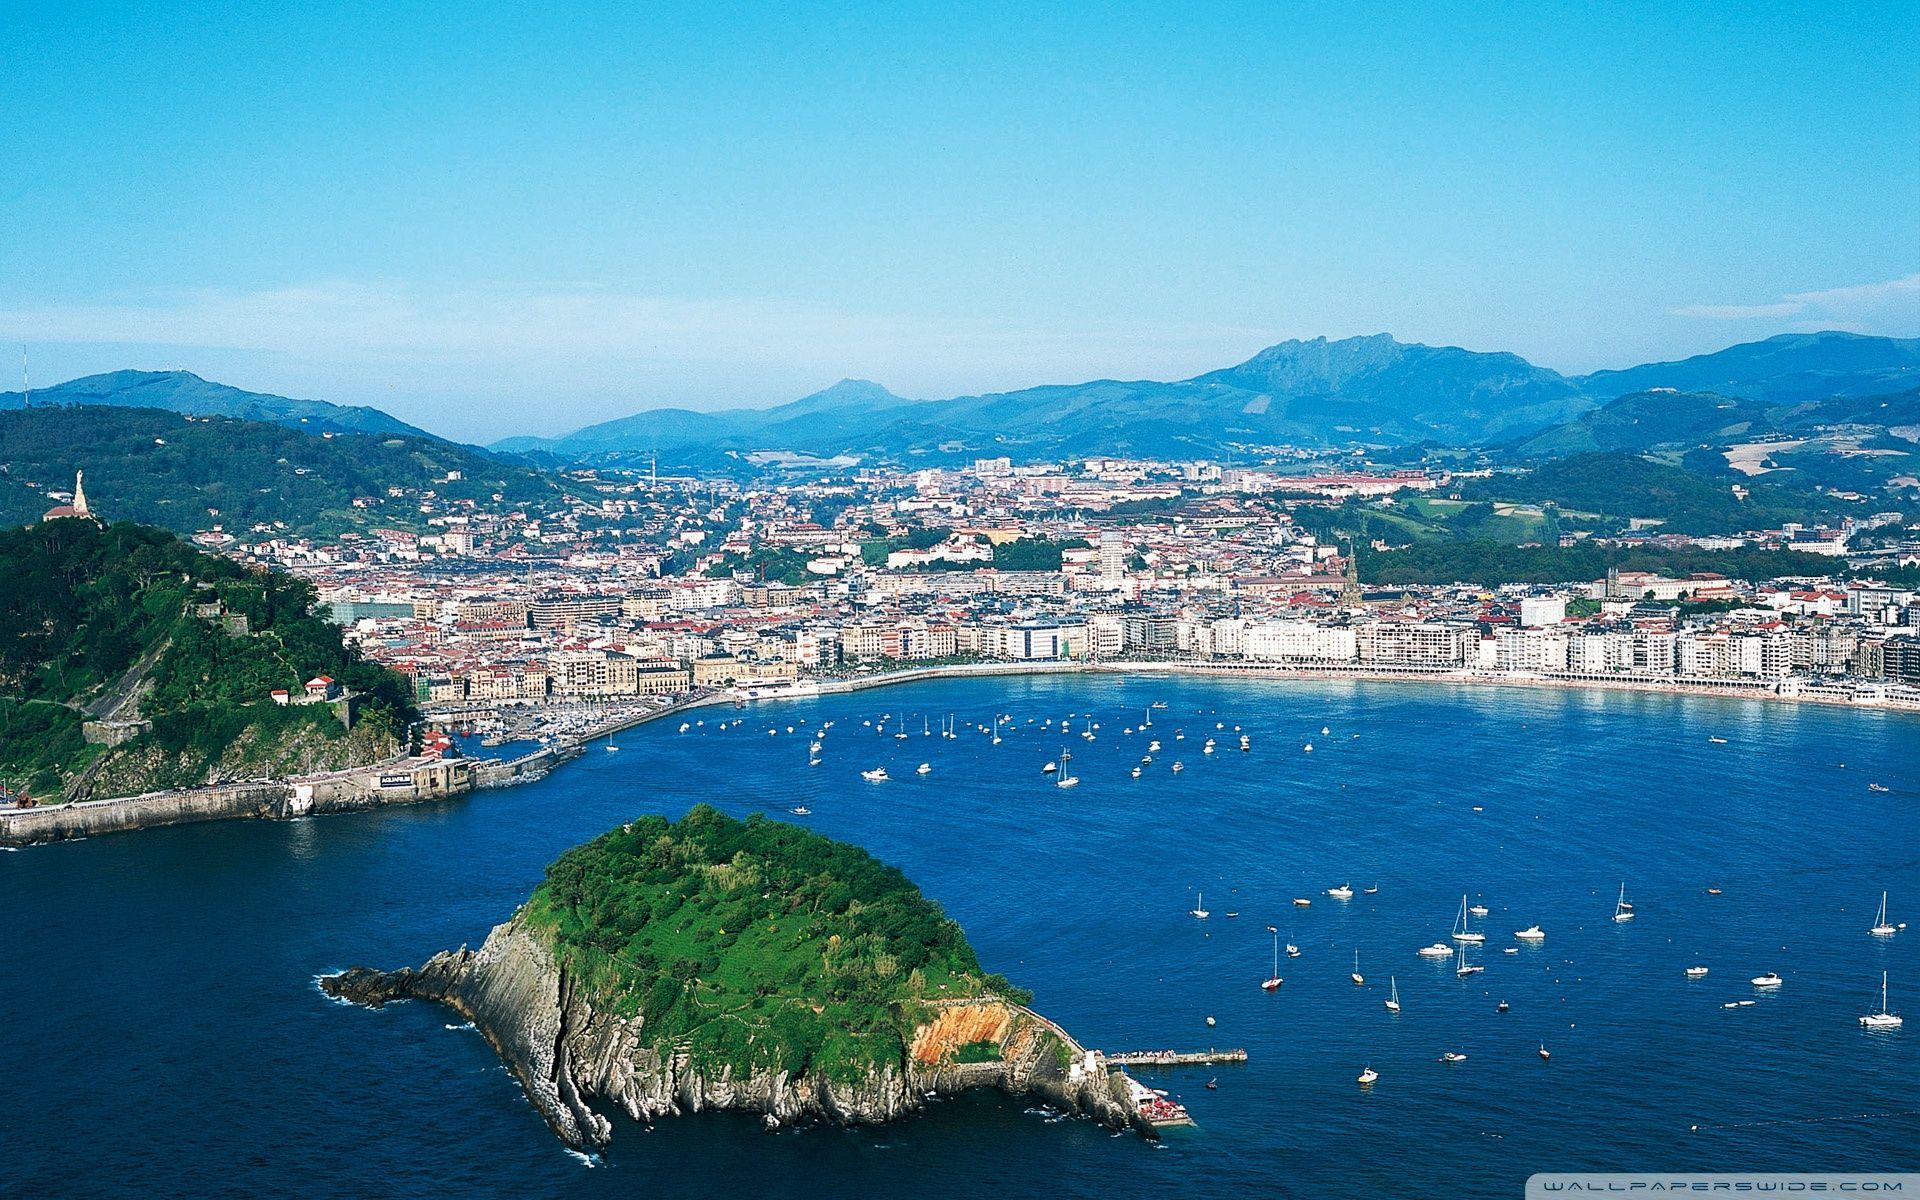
130, 661
755, 944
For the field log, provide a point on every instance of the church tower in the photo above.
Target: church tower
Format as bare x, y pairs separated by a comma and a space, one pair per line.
1350, 589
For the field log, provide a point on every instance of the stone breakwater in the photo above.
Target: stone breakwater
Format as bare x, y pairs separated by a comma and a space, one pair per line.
568, 1052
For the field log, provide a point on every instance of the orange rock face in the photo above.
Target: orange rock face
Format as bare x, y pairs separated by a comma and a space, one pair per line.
957, 1025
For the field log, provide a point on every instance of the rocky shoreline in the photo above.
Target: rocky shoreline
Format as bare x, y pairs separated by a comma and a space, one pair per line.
568, 1053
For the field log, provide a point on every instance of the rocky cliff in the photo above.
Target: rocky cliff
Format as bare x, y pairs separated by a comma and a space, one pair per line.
569, 1051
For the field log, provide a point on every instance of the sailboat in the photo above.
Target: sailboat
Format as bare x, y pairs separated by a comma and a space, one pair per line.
1199, 908
1462, 967
1622, 911
1065, 780
1461, 933
1273, 981
1880, 926
996, 729
1882, 1019
1393, 1001
1357, 977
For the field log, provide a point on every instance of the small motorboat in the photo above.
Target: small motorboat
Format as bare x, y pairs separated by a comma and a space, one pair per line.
1293, 951
1437, 950
1478, 910
1302, 902
877, 775
1713, 891
1876, 787
1368, 1075
801, 811
684, 727
1210, 1022
1453, 1057
1718, 741
1050, 768
923, 769
1500, 1007
1136, 772
1696, 972
1373, 891
1770, 980
1342, 892
1531, 934
1177, 768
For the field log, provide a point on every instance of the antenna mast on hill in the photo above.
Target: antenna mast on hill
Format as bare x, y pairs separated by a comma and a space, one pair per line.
26, 393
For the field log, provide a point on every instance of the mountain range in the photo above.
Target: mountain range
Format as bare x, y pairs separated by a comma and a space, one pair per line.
1365, 391
188, 394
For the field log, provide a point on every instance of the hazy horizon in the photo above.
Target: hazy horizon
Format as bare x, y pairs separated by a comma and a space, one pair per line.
526, 225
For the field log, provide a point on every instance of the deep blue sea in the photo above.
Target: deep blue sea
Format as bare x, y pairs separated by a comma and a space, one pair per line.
164, 1035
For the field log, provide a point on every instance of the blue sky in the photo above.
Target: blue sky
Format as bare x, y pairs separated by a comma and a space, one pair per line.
522, 221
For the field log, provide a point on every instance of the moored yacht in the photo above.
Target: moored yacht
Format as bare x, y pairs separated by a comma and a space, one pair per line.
1880, 926
1882, 1019
1530, 934
877, 775
1273, 981
1770, 980
1393, 1001
1341, 892
1357, 977
1199, 909
1622, 911
1437, 950
1461, 931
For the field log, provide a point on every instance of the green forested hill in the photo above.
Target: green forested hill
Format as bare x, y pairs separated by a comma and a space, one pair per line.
97, 619
192, 473
1626, 485
756, 944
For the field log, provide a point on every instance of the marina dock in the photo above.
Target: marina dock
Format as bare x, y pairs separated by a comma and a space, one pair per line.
1176, 1058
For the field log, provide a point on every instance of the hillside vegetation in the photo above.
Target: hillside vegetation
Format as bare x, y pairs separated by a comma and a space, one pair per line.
192, 473
98, 621
756, 943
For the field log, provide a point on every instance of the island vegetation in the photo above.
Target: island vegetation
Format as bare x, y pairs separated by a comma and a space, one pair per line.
757, 945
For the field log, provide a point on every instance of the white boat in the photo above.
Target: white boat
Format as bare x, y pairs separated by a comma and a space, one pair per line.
1273, 981
1199, 908
1718, 741
1696, 972
1208, 747
802, 811
1461, 932
1307, 749
1877, 787
923, 769
1050, 768
1622, 911
1066, 780
1368, 1075
877, 775
1463, 968
1770, 980
1244, 743
1153, 747
1478, 910
1136, 772
1357, 977
1393, 1001
1543, 1052
1880, 926
1374, 890
611, 748
1437, 950
814, 748
1293, 951
1882, 1019
1342, 892
1302, 902
684, 727
1452, 1057
1177, 768
1530, 934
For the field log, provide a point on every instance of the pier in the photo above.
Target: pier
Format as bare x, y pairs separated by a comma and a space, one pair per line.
1176, 1058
